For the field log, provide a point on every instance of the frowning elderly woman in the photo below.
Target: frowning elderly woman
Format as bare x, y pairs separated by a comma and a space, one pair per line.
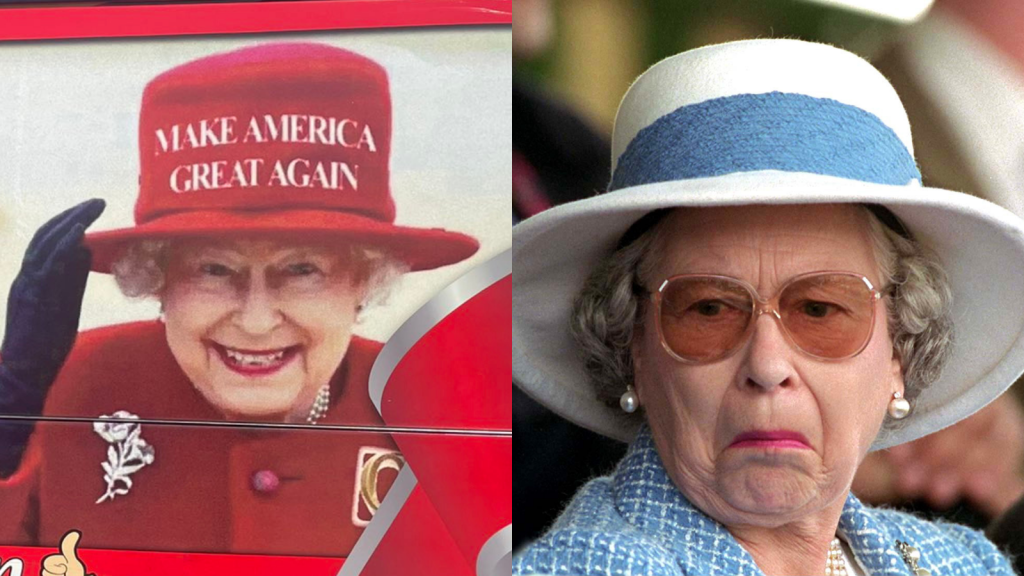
765, 295
264, 225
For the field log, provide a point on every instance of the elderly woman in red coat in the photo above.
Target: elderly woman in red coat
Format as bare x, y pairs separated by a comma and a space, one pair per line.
264, 225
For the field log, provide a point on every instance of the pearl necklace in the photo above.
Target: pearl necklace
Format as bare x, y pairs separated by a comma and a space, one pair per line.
320, 405
836, 563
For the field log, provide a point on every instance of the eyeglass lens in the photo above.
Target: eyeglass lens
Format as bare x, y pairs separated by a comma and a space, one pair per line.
705, 318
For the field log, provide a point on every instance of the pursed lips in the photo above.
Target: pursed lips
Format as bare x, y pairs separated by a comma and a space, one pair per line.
770, 439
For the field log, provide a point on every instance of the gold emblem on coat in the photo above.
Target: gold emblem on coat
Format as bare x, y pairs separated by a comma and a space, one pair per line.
371, 464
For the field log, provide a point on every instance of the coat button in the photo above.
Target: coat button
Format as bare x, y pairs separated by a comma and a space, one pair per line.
265, 481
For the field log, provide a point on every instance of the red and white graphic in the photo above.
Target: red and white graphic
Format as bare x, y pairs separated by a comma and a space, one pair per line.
457, 344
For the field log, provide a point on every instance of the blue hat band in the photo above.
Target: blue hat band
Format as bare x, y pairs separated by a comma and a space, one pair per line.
773, 131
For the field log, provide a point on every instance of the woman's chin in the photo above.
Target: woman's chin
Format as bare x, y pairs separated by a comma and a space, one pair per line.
774, 492
250, 412
253, 403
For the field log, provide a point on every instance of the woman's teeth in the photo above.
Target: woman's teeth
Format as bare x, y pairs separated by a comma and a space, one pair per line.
249, 359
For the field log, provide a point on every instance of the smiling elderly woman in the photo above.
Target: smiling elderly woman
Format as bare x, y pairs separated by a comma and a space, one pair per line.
765, 295
314, 290
261, 284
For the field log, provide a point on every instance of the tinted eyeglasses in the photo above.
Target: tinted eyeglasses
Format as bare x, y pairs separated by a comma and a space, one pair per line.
702, 318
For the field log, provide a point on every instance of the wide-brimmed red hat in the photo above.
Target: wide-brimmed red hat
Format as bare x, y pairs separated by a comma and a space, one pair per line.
281, 139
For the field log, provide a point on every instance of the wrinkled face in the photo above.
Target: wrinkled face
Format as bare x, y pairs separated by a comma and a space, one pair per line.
260, 326
697, 412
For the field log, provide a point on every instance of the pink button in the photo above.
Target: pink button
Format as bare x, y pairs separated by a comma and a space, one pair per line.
265, 481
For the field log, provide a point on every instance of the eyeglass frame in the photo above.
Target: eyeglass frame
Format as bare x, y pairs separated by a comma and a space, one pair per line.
763, 306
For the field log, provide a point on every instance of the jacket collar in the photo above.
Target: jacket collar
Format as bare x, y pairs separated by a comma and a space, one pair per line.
649, 501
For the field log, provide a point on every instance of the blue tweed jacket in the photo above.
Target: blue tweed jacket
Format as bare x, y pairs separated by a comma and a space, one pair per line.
636, 522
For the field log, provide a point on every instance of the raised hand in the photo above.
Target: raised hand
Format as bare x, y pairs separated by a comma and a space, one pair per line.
45, 300
67, 562
42, 322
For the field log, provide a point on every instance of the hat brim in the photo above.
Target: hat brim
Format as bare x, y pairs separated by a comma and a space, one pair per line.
980, 245
419, 248
906, 12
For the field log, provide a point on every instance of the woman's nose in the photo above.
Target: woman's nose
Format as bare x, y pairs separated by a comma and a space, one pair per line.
258, 311
768, 356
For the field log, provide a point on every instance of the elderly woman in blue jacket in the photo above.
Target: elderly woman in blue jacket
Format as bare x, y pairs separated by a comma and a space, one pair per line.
765, 294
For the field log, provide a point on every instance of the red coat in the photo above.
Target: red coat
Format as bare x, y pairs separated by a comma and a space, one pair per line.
209, 488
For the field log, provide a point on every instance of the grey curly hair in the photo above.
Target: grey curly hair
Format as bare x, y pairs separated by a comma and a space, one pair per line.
609, 309
139, 271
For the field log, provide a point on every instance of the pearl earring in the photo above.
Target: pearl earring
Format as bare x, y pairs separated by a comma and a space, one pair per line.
898, 406
629, 401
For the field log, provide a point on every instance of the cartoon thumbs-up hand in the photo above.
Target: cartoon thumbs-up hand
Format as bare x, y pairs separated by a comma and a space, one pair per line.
67, 562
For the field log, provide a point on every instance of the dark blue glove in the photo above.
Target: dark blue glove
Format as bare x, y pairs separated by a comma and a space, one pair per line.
43, 308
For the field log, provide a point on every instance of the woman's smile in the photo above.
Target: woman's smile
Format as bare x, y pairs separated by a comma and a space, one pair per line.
249, 362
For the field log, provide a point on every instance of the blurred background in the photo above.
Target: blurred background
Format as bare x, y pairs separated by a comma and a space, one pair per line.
587, 52
958, 66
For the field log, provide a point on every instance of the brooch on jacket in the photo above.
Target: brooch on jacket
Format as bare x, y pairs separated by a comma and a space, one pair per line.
911, 556
127, 454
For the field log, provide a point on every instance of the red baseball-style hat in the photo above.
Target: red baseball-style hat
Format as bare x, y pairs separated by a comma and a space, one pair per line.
280, 139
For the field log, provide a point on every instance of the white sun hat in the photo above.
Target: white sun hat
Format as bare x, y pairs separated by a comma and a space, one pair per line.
769, 122
901, 11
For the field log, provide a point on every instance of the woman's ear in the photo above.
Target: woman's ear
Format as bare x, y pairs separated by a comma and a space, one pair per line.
896, 373
636, 357
361, 286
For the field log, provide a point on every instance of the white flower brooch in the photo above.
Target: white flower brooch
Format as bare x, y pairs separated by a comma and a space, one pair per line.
127, 454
